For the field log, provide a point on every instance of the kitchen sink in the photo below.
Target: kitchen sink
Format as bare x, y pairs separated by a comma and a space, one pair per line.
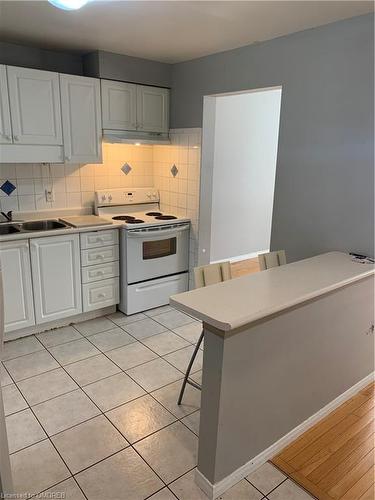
42, 225
9, 229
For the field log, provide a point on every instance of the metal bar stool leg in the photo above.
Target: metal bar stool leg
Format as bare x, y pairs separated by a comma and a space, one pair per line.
186, 378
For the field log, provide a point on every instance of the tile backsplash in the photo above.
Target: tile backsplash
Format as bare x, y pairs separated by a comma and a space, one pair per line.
74, 185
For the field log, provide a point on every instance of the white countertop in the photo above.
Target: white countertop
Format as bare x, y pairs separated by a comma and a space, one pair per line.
27, 235
238, 302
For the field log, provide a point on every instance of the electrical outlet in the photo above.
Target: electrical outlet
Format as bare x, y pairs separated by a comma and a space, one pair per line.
50, 195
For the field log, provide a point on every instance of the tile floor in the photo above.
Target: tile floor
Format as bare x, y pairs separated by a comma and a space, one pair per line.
91, 413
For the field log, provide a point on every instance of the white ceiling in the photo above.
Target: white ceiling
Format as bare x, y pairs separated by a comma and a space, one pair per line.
169, 31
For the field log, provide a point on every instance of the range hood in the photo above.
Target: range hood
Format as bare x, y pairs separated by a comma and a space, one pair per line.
134, 137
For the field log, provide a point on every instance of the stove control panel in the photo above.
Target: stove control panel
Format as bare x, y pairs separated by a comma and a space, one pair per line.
126, 196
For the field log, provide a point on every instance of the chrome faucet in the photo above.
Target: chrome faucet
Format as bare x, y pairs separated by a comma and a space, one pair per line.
8, 216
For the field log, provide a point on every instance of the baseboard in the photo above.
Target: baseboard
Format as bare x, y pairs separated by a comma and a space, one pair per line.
70, 320
217, 489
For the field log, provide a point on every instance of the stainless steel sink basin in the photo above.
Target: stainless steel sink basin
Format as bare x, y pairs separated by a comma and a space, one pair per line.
42, 225
8, 229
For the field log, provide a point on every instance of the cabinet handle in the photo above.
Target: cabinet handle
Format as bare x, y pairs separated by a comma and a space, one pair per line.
68, 158
99, 273
100, 256
16, 138
7, 137
140, 126
101, 295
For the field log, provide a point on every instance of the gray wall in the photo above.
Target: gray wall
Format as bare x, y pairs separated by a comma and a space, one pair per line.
126, 68
324, 178
33, 57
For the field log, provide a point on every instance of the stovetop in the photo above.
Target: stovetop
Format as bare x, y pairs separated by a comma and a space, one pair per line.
134, 208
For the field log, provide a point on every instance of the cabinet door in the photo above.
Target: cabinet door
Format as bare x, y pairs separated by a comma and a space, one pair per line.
18, 291
55, 263
81, 118
35, 106
152, 109
119, 102
5, 127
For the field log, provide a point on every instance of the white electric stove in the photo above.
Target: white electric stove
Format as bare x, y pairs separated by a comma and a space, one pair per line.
154, 247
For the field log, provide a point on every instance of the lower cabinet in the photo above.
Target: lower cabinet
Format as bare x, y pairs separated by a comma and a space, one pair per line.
18, 291
56, 272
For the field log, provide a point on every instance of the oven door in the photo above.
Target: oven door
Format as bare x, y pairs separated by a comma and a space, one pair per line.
155, 252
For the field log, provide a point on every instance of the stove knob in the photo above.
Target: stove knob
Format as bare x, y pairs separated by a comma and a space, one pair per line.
110, 198
104, 197
149, 195
154, 195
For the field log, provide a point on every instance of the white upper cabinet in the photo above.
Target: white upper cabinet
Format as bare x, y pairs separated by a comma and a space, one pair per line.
81, 118
152, 109
119, 105
5, 125
35, 106
55, 262
18, 291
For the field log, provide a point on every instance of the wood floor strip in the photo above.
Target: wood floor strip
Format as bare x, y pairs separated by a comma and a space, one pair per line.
334, 460
307, 453
361, 486
352, 476
337, 451
344, 467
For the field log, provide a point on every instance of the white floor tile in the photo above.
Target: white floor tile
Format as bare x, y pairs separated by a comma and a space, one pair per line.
97, 438
110, 339
13, 399
266, 478
4, 376
122, 319
20, 347
67, 490
58, 336
92, 369
63, 412
168, 397
173, 319
165, 342
190, 332
32, 364
154, 374
289, 490
113, 391
37, 468
180, 359
46, 386
192, 421
140, 418
241, 491
144, 328
170, 452
73, 351
23, 430
93, 326
158, 310
131, 355
163, 494
124, 475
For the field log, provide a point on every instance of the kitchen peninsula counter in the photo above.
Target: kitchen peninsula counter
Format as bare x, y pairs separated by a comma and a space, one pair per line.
282, 348
238, 302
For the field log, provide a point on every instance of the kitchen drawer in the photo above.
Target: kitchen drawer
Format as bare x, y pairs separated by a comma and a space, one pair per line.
99, 255
100, 272
95, 239
100, 294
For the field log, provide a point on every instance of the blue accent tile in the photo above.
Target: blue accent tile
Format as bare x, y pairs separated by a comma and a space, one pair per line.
174, 170
8, 188
126, 168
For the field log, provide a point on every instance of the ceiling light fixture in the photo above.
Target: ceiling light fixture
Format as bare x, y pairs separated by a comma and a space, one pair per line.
68, 4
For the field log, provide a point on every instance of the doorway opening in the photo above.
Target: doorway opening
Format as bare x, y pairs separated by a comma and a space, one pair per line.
239, 153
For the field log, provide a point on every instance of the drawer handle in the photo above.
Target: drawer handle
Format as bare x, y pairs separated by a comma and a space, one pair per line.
99, 273
100, 256
101, 295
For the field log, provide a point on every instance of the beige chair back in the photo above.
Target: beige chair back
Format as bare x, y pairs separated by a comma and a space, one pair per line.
271, 259
212, 274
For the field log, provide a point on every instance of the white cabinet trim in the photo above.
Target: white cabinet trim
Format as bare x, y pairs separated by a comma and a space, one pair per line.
5, 124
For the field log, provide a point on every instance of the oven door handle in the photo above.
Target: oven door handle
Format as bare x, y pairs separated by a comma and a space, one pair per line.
159, 233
